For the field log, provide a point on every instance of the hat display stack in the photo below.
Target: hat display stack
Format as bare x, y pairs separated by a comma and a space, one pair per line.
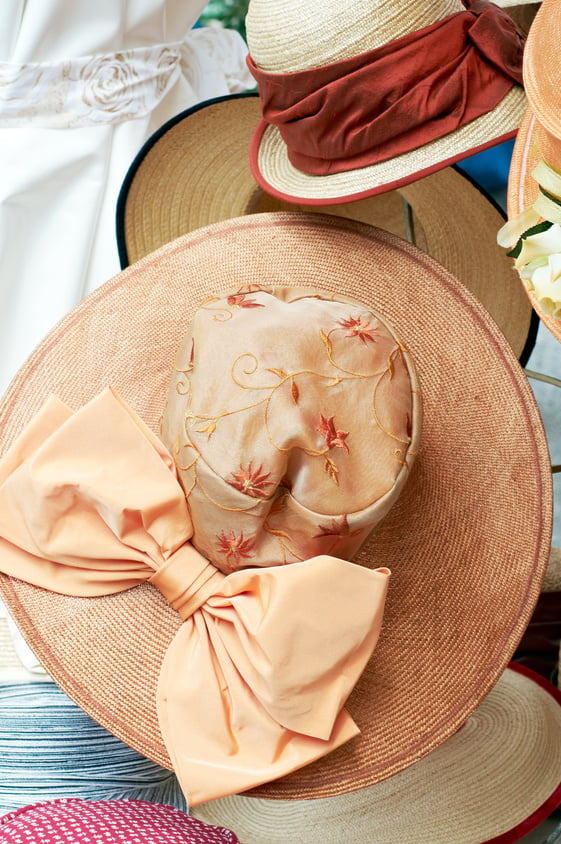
276, 500
195, 171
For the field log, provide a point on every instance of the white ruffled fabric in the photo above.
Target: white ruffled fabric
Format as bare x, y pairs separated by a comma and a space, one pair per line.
82, 85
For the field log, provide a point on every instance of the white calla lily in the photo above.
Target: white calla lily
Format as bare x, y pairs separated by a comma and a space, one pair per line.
539, 245
546, 284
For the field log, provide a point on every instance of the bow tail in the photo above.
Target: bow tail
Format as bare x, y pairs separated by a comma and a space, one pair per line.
220, 738
254, 684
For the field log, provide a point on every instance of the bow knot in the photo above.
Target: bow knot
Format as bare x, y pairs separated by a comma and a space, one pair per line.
187, 580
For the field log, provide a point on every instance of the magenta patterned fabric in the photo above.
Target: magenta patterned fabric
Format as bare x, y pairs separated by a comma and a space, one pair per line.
76, 821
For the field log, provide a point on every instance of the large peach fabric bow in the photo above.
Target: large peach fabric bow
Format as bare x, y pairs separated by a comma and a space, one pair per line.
254, 683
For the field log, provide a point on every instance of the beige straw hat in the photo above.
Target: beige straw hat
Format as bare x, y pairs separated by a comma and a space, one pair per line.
287, 38
195, 170
506, 4
495, 779
539, 138
467, 541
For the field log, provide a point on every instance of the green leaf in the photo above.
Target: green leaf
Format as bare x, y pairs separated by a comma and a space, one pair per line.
537, 229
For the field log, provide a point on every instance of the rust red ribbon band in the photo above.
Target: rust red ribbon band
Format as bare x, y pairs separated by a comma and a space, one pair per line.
393, 99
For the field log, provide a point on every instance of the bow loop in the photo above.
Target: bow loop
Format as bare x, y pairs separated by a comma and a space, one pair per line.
73, 477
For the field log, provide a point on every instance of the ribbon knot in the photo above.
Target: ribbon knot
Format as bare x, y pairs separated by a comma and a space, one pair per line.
254, 682
493, 33
187, 580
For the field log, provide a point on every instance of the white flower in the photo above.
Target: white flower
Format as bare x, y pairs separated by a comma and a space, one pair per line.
546, 284
539, 246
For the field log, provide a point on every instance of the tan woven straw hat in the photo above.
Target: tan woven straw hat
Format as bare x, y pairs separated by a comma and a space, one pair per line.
496, 779
317, 144
539, 138
195, 171
467, 541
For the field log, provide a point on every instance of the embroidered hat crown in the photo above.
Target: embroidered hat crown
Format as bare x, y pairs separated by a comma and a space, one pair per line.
293, 418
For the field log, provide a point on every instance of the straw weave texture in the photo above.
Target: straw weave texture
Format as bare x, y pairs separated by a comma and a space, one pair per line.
468, 541
285, 36
493, 774
542, 75
196, 172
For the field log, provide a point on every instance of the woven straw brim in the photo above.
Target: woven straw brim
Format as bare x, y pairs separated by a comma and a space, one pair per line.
540, 129
542, 76
532, 144
468, 540
494, 774
276, 175
195, 171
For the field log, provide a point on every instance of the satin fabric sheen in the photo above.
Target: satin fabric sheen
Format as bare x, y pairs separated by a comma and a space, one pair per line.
238, 704
396, 98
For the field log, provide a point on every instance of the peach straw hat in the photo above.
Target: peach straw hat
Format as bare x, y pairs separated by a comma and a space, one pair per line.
195, 170
373, 94
534, 186
467, 540
495, 779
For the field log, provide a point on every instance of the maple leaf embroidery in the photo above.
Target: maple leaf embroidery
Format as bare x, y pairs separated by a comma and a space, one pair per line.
333, 438
360, 328
235, 547
337, 528
239, 301
251, 481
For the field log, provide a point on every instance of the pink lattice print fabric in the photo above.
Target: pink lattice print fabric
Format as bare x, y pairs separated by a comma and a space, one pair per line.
76, 821
293, 418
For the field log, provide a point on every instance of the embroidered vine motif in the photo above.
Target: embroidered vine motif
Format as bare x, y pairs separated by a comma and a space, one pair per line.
251, 482
235, 548
336, 528
327, 388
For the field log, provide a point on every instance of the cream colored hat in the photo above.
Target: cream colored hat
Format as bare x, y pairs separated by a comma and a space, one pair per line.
349, 110
195, 170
